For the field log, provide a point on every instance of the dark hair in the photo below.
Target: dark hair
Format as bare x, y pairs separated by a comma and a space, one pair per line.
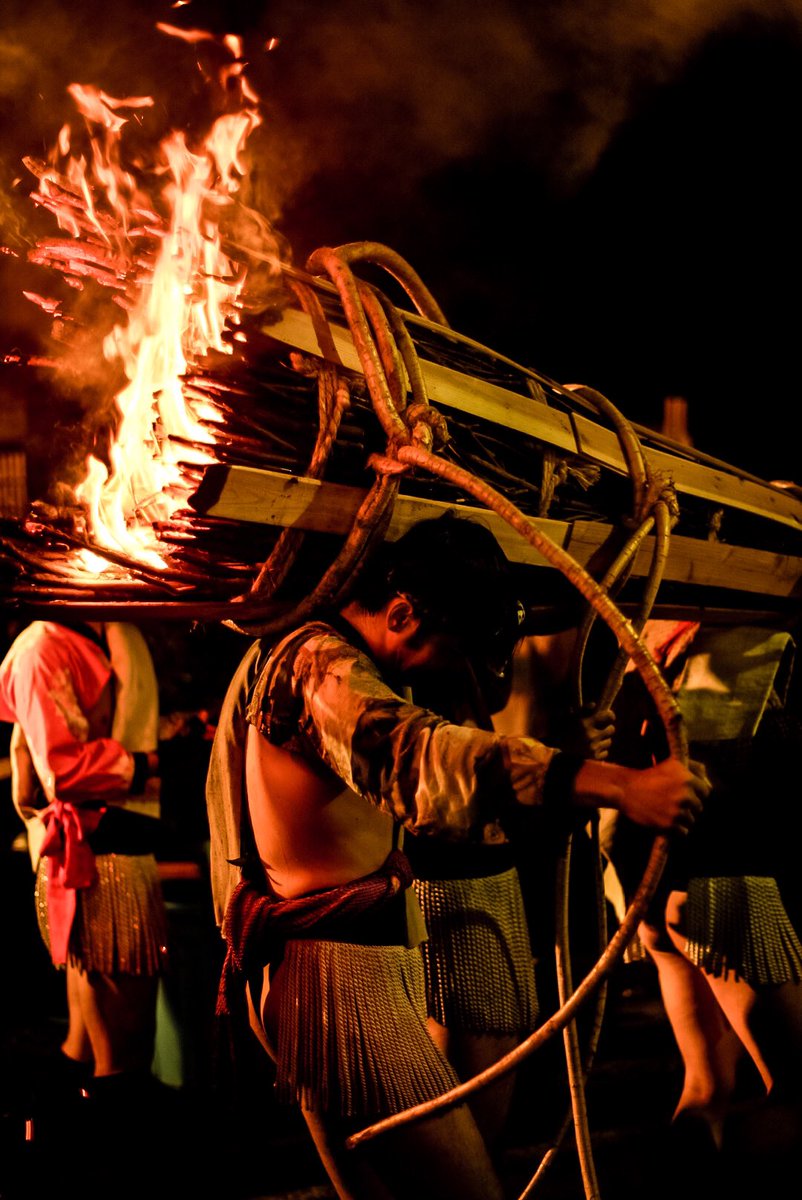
458, 580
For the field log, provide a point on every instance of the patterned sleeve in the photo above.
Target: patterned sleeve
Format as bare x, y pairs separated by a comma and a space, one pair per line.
429, 774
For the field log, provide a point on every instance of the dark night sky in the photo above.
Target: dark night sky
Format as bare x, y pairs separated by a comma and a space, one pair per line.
606, 191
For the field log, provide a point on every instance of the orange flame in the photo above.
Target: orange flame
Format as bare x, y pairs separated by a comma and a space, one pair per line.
186, 301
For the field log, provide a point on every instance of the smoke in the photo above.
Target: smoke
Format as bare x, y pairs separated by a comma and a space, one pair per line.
388, 90
383, 94
399, 88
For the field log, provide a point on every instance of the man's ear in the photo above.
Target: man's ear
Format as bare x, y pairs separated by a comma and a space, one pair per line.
401, 616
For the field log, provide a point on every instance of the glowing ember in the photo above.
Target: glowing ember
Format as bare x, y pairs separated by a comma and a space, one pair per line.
172, 276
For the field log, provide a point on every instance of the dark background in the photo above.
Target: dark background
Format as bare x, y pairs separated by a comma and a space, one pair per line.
605, 191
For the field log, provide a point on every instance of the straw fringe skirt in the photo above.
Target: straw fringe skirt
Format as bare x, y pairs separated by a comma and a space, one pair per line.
352, 1036
480, 973
739, 924
120, 925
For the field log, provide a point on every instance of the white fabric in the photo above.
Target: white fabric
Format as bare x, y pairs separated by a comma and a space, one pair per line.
136, 708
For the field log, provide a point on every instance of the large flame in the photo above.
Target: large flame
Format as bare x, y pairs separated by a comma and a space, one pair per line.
186, 295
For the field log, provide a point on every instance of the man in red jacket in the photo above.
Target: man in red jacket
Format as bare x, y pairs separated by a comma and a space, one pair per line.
84, 704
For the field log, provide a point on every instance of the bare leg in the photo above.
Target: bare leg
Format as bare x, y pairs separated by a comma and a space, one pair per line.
738, 1001
470, 1054
351, 1175
76, 1044
709, 1048
118, 1014
735, 997
768, 1021
440, 1158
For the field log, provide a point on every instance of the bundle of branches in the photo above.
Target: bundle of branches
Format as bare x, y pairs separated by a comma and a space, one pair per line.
291, 403
293, 417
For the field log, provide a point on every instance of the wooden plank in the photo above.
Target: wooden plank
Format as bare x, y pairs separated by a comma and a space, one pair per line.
448, 388
704, 564
476, 397
720, 487
270, 498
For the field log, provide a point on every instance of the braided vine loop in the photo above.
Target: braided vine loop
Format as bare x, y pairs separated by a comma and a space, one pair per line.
383, 344
399, 268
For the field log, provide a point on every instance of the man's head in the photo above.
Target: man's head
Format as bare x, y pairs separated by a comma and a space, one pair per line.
444, 587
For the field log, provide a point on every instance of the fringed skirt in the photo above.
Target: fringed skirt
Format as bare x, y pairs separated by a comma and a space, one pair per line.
480, 973
352, 1038
738, 924
120, 925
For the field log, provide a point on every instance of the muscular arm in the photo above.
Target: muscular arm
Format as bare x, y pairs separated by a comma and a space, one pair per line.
435, 776
667, 796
